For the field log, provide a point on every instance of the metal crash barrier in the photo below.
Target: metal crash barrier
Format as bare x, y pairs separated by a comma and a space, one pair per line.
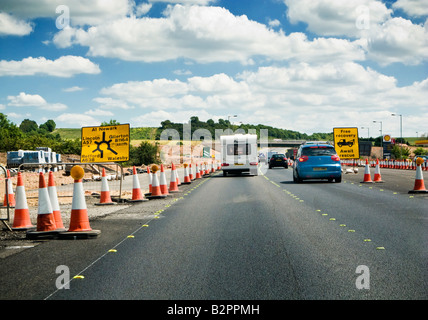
6, 205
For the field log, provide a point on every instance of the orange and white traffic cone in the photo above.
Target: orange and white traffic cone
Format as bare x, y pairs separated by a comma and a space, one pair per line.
137, 194
21, 219
46, 226
53, 197
173, 186
79, 220
156, 190
105, 198
150, 179
162, 181
186, 175
198, 172
377, 176
419, 186
9, 196
367, 177
191, 172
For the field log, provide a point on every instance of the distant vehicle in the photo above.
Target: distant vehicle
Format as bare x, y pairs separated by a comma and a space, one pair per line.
343, 142
278, 160
239, 154
317, 161
270, 154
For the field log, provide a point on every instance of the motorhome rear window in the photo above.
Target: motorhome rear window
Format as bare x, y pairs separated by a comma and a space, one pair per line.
238, 149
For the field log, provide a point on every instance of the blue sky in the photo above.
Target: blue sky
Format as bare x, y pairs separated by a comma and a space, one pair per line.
304, 65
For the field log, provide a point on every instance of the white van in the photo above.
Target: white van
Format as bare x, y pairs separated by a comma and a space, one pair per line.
239, 154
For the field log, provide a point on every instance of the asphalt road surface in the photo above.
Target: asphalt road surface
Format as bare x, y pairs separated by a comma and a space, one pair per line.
243, 237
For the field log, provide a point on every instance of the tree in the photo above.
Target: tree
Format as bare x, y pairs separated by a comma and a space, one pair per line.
49, 126
112, 122
146, 153
28, 125
10, 135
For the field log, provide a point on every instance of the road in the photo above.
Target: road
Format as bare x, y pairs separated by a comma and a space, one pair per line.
243, 237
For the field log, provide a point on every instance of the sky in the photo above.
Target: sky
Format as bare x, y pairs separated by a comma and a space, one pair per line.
303, 65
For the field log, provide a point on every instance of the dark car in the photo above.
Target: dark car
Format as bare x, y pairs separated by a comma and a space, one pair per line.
278, 160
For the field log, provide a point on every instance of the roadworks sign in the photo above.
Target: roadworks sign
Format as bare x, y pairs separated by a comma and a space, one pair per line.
105, 144
346, 143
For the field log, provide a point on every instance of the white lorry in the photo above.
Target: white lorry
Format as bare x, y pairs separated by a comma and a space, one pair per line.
239, 154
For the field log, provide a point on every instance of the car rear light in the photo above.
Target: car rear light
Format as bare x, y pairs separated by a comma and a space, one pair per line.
335, 157
253, 163
224, 164
285, 159
303, 158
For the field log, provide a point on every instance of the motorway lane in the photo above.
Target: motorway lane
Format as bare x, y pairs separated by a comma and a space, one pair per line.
266, 237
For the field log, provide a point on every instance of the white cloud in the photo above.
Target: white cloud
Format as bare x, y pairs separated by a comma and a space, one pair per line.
11, 26
202, 34
99, 112
81, 12
34, 100
73, 89
416, 8
303, 97
76, 119
66, 66
337, 17
399, 40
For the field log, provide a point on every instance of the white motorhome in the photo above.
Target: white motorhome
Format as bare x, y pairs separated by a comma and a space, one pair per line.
239, 154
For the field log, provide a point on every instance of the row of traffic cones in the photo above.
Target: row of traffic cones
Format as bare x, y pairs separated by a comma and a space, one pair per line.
49, 222
158, 186
419, 186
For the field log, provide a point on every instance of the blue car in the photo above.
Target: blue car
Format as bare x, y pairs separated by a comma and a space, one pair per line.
317, 161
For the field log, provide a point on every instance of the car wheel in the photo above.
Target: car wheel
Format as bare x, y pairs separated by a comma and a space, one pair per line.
338, 180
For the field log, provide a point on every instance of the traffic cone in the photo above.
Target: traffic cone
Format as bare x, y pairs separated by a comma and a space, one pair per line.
150, 179
419, 186
173, 185
46, 226
377, 176
105, 198
162, 181
198, 172
137, 194
156, 190
79, 221
53, 197
190, 172
9, 195
367, 177
212, 167
186, 175
21, 219
177, 178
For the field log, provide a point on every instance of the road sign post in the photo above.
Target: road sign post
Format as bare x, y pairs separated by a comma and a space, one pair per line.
105, 144
346, 143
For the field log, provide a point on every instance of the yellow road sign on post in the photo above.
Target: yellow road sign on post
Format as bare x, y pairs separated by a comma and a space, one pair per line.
346, 143
105, 144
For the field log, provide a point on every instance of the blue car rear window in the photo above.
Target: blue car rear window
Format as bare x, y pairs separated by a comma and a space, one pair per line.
318, 151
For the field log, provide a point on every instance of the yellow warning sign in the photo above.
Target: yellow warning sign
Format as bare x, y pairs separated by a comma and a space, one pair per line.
105, 144
346, 143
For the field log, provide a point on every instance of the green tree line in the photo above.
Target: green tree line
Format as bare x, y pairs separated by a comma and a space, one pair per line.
29, 135
211, 126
